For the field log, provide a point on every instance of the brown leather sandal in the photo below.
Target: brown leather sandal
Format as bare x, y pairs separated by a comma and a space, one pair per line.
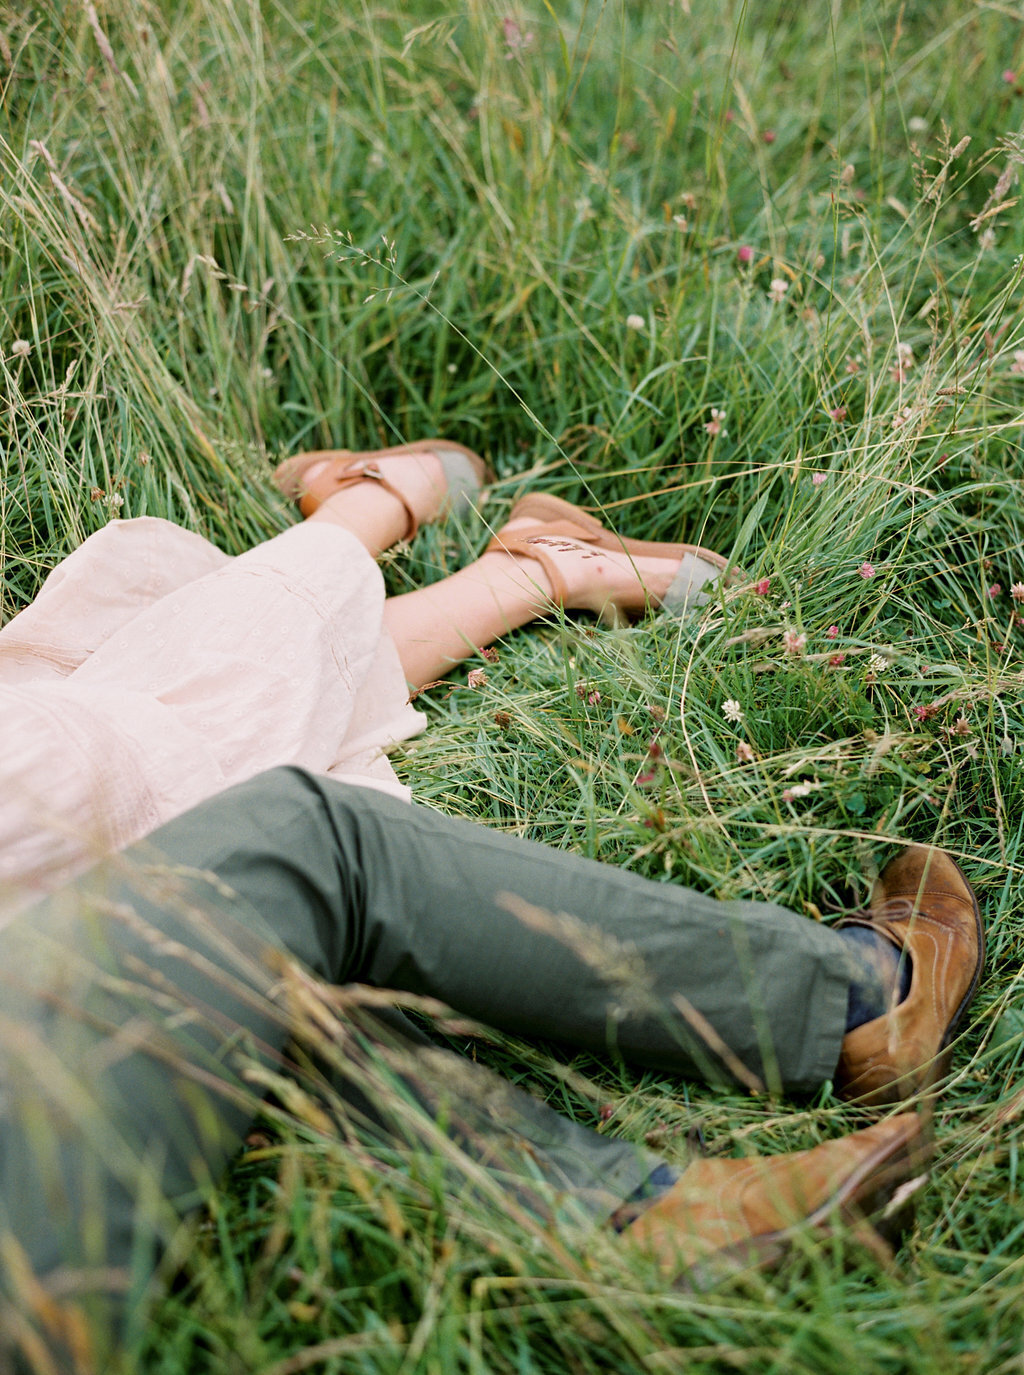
559, 521
465, 474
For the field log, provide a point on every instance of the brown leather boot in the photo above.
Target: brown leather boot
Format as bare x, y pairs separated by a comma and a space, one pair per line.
921, 904
727, 1215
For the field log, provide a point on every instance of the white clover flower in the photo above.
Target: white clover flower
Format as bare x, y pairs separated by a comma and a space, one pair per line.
732, 711
21, 348
635, 322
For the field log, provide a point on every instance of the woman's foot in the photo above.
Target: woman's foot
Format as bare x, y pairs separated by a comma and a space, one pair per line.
549, 554
384, 495
580, 565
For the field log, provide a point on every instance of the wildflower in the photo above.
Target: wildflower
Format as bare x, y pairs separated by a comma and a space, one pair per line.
1017, 366
744, 255
831, 632
838, 414
777, 288
593, 698
783, 605
502, 720
476, 677
835, 660
923, 713
1010, 77
681, 223
854, 364
115, 500
962, 727
21, 348
818, 478
793, 642
732, 711
761, 586
744, 754
901, 417
878, 663
799, 790
995, 590
904, 357
1017, 591
714, 425
866, 570
917, 125
96, 494
650, 770
635, 322
515, 40
489, 653
768, 136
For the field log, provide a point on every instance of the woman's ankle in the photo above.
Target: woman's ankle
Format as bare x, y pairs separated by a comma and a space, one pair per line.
381, 515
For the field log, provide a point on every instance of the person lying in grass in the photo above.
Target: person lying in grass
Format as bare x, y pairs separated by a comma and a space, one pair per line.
145, 1007
153, 670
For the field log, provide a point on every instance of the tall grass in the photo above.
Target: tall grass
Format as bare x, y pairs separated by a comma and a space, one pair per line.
231, 230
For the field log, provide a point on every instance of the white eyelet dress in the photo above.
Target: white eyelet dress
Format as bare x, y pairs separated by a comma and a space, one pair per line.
154, 670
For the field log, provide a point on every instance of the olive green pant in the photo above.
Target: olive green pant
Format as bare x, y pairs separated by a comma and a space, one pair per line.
145, 1009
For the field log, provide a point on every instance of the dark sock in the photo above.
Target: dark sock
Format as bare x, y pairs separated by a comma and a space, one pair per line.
879, 974
658, 1182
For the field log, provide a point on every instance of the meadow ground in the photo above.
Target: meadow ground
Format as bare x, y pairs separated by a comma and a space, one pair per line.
748, 274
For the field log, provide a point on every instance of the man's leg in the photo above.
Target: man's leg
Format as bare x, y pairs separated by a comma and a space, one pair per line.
128, 1017
523, 937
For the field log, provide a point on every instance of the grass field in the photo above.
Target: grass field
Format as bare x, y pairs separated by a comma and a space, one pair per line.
745, 274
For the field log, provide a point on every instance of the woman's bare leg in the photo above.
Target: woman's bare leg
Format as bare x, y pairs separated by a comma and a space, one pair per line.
376, 516
436, 627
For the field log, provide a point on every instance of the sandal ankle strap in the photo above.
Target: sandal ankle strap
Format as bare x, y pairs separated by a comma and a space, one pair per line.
339, 474
531, 545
